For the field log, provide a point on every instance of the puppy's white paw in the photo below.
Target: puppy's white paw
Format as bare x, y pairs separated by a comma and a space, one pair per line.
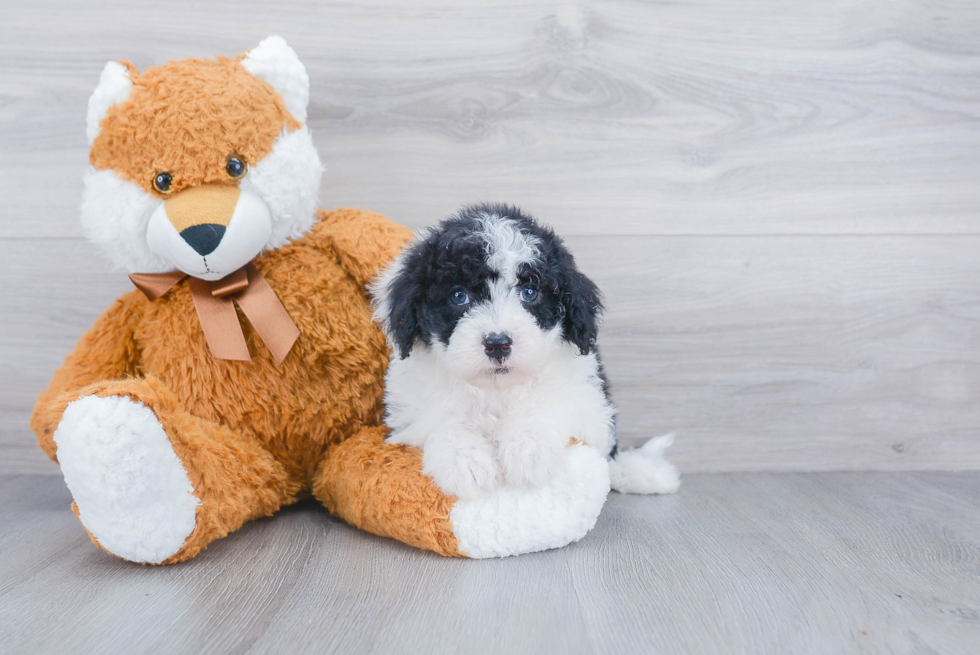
462, 466
131, 490
532, 455
514, 520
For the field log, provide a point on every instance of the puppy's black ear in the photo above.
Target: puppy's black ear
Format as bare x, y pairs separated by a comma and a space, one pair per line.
582, 303
397, 294
403, 327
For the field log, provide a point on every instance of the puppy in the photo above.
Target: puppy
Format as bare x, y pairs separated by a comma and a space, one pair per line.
494, 367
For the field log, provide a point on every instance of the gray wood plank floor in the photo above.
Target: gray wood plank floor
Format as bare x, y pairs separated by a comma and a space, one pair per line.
736, 563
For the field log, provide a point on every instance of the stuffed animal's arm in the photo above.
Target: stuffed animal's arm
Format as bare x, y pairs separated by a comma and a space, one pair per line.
364, 241
107, 351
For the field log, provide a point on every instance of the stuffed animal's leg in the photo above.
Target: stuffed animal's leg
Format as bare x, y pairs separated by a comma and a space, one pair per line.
380, 487
155, 484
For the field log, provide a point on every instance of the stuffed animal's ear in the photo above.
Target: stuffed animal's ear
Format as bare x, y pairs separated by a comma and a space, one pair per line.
273, 61
115, 85
582, 303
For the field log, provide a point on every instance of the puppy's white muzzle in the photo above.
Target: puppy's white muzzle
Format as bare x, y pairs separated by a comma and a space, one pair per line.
210, 231
476, 351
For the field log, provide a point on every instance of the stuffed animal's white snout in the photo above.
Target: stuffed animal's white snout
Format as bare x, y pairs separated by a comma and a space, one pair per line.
210, 231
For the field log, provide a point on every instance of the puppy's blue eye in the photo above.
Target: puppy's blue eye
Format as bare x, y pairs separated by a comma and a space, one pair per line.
529, 294
460, 297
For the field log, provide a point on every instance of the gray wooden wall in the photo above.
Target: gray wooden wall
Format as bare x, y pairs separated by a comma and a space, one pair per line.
779, 198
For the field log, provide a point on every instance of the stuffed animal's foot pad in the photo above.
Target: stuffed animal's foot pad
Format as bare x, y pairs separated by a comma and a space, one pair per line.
460, 466
531, 457
132, 493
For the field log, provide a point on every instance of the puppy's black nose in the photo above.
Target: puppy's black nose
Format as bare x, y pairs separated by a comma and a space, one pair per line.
497, 346
203, 238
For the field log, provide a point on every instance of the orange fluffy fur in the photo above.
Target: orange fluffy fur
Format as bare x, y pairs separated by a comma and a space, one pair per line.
186, 117
254, 436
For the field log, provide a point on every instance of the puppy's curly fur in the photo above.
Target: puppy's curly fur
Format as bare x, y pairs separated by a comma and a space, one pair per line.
495, 365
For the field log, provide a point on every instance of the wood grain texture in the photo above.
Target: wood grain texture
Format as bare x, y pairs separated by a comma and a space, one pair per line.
779, 354
779, 199
795, 353
736, 563
622, 117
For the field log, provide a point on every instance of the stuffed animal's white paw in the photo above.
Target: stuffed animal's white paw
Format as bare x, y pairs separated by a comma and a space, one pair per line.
461, 465
131, 490
531, 456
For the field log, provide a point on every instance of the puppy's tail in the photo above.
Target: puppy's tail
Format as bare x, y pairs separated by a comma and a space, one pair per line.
643, 470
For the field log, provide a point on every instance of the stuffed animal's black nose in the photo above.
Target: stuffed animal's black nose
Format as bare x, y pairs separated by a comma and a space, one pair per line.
203, 238
497, 346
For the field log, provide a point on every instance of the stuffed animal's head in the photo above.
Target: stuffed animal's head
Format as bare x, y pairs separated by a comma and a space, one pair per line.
200, 165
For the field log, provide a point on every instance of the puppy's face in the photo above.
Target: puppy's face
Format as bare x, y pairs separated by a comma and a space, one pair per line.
491, 294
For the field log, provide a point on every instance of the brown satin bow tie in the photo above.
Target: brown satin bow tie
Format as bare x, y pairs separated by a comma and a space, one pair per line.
215, 305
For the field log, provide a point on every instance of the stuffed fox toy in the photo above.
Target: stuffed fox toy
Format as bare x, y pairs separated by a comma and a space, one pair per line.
245, 373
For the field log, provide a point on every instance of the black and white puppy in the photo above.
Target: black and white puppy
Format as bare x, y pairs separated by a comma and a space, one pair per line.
495, 368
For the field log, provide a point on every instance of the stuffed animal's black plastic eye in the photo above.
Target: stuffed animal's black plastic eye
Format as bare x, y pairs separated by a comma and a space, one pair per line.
236, 167
529, 294
162, 182
459, 297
